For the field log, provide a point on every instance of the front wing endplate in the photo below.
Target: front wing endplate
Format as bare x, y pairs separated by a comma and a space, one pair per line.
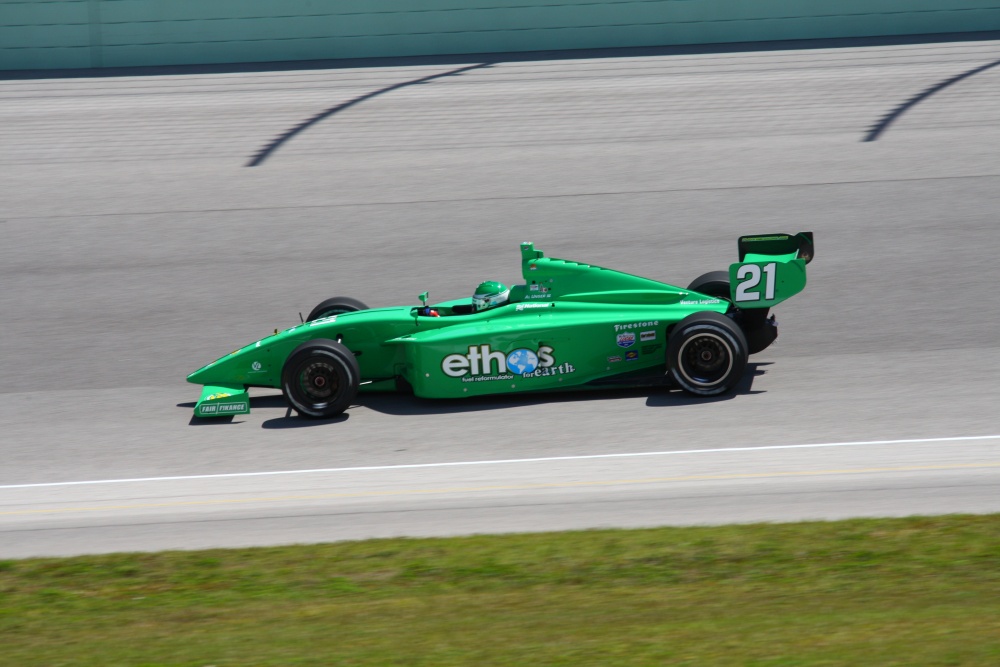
222, 401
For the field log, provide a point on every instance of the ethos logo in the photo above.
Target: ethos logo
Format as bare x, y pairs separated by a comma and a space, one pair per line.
482, 360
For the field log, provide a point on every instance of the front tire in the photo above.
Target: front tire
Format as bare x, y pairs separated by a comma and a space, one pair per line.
320, 378
335, 306
707, 354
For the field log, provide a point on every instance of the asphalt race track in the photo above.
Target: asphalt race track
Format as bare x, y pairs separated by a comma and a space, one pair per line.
151, 223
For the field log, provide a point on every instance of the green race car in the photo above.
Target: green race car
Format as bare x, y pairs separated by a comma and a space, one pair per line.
569, 326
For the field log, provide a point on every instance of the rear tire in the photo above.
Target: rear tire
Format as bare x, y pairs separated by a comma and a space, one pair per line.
713, 283
335, 306
320, 378
759, 332
706, 354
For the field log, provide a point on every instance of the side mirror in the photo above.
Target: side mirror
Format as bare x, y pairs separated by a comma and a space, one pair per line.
423, 298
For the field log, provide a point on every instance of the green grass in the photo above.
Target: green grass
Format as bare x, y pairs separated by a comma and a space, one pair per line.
917, 591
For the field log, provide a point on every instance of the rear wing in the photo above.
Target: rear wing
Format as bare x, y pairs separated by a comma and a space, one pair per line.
772, 268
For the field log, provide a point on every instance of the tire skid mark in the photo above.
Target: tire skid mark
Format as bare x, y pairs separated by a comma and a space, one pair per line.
882, 125
283, 138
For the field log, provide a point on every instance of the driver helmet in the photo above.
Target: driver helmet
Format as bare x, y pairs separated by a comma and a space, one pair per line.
490, 294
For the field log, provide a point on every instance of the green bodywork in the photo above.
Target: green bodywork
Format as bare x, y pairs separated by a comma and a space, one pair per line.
569, 325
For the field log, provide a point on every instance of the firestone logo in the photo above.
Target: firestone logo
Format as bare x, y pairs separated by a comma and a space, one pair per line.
637, 325
482, 360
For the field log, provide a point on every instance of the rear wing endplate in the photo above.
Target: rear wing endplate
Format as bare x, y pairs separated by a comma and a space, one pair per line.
772, 268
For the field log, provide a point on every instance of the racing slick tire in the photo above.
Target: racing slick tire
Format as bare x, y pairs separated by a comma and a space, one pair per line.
713, 283
320, 378
335, 306
758, 329
706, 354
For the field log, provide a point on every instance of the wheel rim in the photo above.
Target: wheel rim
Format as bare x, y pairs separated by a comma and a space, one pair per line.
705, 359
319, 382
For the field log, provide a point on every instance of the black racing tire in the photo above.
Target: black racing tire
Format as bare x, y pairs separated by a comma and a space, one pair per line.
335, 306
706, 354
713, 283
758, 331
320, 378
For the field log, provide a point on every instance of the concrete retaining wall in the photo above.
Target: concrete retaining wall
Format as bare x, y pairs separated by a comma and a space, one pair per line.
115, 33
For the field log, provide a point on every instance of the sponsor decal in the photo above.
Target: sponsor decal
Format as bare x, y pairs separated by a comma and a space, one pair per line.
522, 360
637, 325
614, 360
646, 336
631, 355
487, 378
222, 408
700, 302
539, 296
482, 360
483, 364
561, 369
322, 320
650, 349
534, 287
532, 267
213, 397
522, 306
256, 367
626, 339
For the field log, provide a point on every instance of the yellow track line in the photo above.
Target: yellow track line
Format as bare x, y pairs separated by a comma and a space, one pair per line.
506, 487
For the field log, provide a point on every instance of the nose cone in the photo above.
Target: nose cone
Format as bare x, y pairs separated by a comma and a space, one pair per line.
255, 364
220, 370
198, 376
203, 375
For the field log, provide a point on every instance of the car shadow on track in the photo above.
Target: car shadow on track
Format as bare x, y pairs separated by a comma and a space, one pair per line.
408, 405
291, 420
744, 388
405, 405
270, 401
214, 421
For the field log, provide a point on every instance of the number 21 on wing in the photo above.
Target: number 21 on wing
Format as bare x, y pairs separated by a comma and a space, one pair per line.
749, 276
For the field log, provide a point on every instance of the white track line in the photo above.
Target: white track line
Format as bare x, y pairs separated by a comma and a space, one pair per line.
583, 457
